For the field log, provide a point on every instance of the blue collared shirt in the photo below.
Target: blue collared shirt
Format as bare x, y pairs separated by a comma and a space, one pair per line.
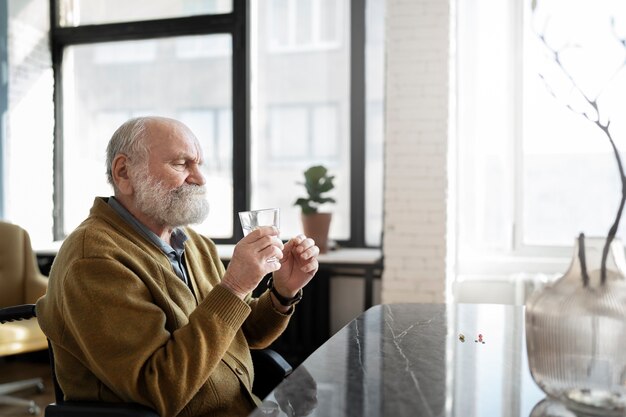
175, 253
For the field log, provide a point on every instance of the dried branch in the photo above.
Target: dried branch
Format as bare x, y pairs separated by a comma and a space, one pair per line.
556, 54
581, 258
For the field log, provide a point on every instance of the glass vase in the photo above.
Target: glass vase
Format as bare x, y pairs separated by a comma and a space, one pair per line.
576, 333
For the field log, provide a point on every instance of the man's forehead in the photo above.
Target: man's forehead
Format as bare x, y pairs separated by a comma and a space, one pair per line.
175, 138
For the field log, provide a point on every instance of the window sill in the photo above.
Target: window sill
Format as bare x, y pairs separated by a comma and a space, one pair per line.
342, 256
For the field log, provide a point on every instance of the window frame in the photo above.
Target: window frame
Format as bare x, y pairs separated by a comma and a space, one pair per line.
235, 23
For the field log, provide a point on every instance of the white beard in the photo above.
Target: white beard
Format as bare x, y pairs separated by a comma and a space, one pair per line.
176, 207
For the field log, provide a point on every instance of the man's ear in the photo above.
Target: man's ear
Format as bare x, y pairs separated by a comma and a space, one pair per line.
121, 178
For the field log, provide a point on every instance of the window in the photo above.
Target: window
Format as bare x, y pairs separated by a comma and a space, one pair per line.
110, 53
94, 83
374, 116
296, 25
316, 128
95, 12
564, 151
533, 171
27, 120
300, 136
192, 47
302, 104
262, 117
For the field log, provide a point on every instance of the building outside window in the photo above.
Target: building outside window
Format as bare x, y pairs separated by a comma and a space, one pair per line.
297, 25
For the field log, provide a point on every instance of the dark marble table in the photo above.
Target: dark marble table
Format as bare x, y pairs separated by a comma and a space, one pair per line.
417, 360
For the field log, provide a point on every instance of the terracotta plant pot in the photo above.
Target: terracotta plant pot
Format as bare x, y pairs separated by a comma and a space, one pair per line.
316, 227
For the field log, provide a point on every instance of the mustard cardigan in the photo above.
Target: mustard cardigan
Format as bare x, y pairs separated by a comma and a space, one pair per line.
125, 328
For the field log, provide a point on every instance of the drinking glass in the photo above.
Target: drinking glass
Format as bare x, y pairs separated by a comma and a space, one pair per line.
253, 219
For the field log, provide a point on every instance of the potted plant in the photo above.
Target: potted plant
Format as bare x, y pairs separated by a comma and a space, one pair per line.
317, 183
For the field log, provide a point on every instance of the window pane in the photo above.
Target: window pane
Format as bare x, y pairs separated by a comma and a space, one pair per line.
301, 113
90, 12
486, 130
329, 23
324, 127
534, 172
278, 18
571, 178
297, 25
374, 119
27, 177
99, 94
304, 21
285, 124
316, 124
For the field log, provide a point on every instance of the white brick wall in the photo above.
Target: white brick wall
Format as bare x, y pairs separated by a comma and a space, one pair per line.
416, 151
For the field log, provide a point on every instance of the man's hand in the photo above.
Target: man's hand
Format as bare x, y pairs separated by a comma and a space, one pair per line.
249, 263
298, 265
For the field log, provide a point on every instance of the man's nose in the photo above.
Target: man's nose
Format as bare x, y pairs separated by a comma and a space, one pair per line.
196, 176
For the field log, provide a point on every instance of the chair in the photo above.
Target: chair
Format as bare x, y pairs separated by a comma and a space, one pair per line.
20, 283
270, 369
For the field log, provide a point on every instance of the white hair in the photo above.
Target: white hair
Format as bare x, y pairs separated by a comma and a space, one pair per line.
128, 139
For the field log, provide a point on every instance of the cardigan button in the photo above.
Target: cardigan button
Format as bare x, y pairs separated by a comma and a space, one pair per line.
239, 371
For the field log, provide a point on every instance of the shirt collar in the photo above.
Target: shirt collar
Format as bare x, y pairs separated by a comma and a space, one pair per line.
178, 235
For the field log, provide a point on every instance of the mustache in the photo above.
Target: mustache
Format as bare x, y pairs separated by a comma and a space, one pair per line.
189, 190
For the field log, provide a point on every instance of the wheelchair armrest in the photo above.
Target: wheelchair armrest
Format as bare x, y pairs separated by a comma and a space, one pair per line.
270, 368
98, 409
19, 312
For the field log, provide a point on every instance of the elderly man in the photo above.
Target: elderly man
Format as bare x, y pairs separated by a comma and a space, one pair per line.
139, 307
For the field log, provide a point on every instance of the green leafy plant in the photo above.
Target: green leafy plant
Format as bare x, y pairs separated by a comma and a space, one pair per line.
316, 182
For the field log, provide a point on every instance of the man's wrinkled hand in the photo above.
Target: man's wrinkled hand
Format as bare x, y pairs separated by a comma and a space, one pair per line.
252, 260
298, 266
